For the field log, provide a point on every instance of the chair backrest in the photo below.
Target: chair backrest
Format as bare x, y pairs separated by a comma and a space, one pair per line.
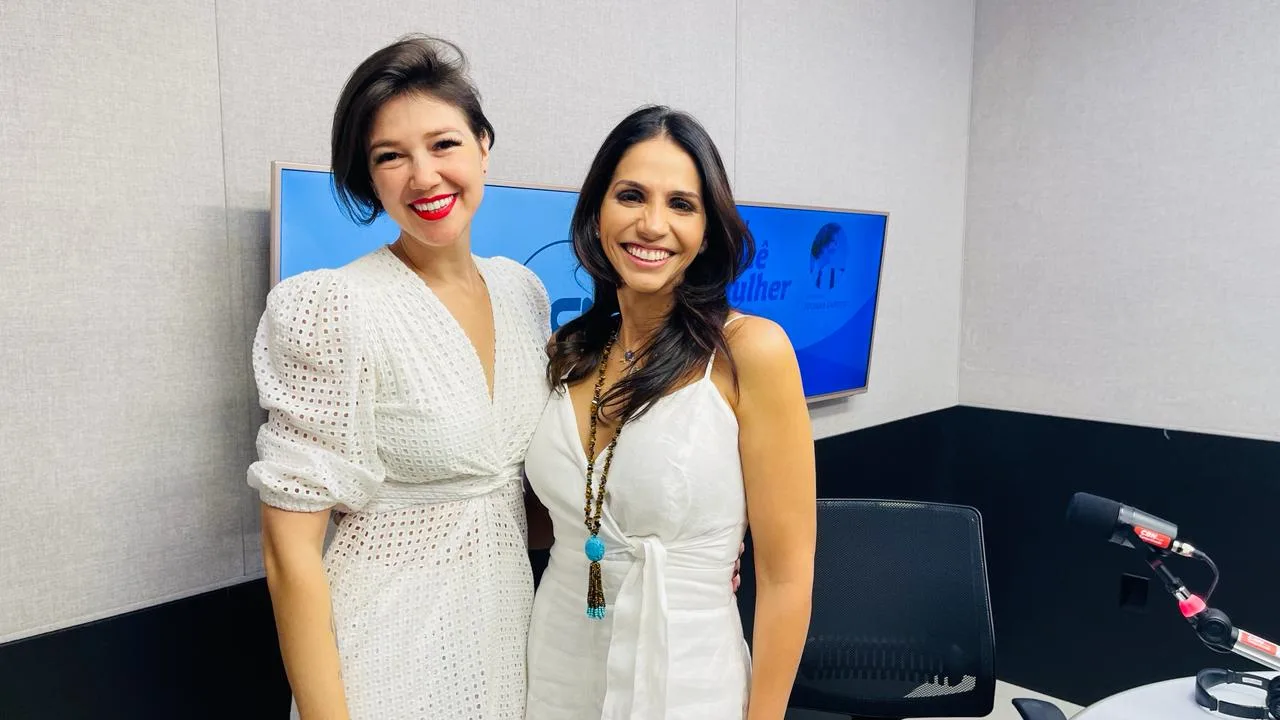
901, 624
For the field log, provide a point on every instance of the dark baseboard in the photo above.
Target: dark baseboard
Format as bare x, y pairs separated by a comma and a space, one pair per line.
213, 655
1060, 627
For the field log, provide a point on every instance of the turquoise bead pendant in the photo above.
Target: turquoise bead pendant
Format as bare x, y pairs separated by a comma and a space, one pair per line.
594, 548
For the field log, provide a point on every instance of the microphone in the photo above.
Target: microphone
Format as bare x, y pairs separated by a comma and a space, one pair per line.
1122, 524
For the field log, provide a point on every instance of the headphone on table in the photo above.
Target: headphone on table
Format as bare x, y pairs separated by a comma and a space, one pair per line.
1213, 677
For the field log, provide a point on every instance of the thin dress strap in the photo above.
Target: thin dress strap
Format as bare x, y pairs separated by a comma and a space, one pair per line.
711, 362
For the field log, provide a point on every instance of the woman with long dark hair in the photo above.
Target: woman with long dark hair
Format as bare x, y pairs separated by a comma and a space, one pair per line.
676, 423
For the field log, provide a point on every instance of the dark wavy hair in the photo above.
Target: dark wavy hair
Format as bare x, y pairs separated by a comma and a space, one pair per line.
694, 328
414, 64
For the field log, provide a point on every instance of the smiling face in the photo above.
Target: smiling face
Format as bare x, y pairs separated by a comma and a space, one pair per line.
427, 168
652, 220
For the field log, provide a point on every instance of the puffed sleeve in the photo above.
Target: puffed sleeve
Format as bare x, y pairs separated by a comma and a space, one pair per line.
315, 379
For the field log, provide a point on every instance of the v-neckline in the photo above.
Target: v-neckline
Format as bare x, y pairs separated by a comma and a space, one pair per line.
490, 394
575, 432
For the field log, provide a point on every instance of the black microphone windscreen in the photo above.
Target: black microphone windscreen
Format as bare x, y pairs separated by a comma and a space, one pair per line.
1094, 515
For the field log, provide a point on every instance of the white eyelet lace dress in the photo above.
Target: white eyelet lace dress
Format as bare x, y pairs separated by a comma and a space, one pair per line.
379, 407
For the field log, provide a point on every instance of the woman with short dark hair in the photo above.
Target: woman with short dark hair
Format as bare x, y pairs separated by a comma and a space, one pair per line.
402, 390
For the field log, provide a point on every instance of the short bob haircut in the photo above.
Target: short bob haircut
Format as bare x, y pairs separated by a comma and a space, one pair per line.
414, 64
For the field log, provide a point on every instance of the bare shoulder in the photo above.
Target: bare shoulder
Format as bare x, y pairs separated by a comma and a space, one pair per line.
760, 346
763, 359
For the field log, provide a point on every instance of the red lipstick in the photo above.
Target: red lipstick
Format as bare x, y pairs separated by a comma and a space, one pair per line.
437, 213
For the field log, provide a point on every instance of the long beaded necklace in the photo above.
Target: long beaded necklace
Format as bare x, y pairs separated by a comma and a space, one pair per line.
594, 547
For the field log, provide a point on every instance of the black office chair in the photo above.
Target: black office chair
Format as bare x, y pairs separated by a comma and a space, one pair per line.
901, 623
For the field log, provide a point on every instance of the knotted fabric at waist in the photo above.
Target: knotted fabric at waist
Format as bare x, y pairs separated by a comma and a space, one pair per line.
657, 580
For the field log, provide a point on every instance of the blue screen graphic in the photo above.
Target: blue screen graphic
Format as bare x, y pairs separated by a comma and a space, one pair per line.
816, 272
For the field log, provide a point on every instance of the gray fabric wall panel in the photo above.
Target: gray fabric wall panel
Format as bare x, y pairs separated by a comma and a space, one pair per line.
134, 209
1122, 251
120, 482
555, 77
865, 105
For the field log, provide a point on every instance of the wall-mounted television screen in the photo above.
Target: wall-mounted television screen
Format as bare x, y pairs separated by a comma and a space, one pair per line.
816, 271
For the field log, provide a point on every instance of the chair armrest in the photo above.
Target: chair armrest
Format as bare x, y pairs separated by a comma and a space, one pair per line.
1037, 710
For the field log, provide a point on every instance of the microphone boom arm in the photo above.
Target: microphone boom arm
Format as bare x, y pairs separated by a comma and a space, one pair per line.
1213, 626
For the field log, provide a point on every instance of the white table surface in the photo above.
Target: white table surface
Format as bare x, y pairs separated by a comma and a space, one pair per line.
1169, 700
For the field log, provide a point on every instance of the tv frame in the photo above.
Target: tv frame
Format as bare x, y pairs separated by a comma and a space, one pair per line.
278, 166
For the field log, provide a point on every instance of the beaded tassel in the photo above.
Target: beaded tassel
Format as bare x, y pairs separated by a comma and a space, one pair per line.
595, 593
594, 549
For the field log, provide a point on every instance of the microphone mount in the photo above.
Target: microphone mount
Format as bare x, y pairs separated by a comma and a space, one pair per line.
1213, 626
